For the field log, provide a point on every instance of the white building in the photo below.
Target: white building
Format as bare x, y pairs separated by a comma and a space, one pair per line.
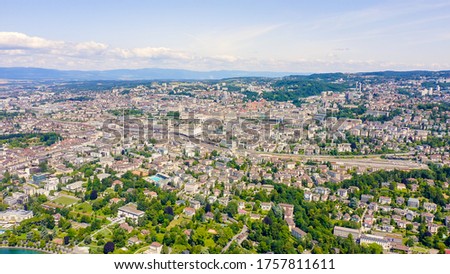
77, 186
51, 185
266, 206
15, 216
130, 211
344, 232
155, 248
191, 188
374, 239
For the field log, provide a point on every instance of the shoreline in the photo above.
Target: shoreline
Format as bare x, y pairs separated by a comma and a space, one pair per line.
26, 248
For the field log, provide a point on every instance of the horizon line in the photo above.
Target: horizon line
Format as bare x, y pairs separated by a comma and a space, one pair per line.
226, 70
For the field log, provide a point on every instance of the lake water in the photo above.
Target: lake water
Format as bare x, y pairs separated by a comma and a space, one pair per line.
18, 251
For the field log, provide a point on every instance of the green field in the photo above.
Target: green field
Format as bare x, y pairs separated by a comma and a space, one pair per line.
65, 200
177, 222
420, 250
84, 207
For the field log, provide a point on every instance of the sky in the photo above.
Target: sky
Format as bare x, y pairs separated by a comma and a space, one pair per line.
255, 35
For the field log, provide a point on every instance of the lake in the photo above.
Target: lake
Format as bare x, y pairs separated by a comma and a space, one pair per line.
18, 251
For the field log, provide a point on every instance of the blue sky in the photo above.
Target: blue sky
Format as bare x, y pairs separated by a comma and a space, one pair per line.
282, 35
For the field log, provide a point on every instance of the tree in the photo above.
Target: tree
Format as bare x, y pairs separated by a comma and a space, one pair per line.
108, 248
410, 242
169, 210
375, 248
267, 220
119, 237
231, 209
43, 166
246, 244
66, 240
6, 177
208, 208
277, 211
353, 203
3, 207
93, 195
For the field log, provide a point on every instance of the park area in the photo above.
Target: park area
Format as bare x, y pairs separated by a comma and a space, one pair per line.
66, 200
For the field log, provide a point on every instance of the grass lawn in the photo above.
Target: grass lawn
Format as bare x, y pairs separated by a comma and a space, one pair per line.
95, 249
177, 222
418, 249
65, 200
65, 192
142, 249
106, 233
84, 207
109, 191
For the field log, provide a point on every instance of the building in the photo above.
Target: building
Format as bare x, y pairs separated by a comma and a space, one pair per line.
447, 221
266, 206
150, 194
189, 211
413, 202
15, 216
195, 204
383, 200
298, 233
342, 193
290, 222
428, 217
365, 198
134, 241
191, 188
51, 185
155, 248
130, 211
430, 206
288, 210
38, 178
344, 232
10, 201
125, 226
74, 187
374, 239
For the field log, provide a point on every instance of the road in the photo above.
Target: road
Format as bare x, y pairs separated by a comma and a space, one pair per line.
115, 221
244, 230
362, 219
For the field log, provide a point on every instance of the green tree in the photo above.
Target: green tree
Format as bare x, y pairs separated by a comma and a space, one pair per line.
231, 209
108, 248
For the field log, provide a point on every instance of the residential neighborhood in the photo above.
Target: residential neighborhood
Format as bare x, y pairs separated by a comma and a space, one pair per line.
223, 167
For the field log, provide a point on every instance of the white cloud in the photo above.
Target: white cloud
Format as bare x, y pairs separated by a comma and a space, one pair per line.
91, 46
14, 43
225, 58
16, 40
149, 52
18, 49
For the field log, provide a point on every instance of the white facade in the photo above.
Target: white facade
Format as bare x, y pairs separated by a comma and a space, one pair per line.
130, 211
16, 216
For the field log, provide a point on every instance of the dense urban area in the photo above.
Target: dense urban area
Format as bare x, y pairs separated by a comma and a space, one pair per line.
321, 163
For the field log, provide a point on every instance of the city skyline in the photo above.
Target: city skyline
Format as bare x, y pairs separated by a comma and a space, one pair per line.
286, 36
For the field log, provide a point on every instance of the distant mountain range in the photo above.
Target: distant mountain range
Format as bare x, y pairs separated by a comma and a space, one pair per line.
25, 73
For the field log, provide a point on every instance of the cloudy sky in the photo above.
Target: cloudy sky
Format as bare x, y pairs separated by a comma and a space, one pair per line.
262, 35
